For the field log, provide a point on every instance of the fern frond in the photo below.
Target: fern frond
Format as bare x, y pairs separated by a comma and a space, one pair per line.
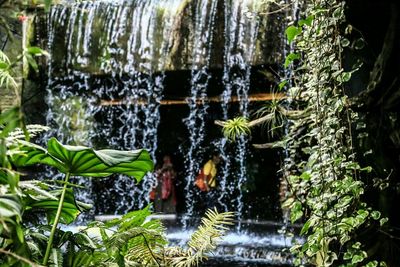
32, 129
56, 258
203, 240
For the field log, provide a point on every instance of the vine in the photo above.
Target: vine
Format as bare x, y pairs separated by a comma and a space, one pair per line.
322, 174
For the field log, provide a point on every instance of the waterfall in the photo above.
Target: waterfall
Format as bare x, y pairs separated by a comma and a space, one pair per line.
203, 27
241, 28
106, 80
133, 35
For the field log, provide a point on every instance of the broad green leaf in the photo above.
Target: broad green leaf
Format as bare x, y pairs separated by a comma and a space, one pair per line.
71, 208
85, 161
296, 212
83, 240
292, 32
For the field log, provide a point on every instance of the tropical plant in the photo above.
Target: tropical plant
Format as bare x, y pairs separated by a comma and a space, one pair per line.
132, 240
80, 161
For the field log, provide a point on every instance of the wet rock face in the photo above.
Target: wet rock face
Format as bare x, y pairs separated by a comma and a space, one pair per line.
150, 36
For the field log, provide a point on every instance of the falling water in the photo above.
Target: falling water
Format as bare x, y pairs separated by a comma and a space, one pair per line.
195, 122
129, 53
105, 86
241, 28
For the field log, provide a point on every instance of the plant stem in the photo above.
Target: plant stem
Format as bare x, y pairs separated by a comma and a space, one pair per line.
57, 218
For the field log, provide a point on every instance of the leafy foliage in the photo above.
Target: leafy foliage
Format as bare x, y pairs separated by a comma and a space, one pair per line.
323, 176
235, 127
202, 241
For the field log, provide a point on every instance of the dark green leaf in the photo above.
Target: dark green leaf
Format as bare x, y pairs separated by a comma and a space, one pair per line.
83, 240
71, 209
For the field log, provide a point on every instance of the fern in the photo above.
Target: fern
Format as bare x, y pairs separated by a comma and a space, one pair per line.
18, 134
203, 240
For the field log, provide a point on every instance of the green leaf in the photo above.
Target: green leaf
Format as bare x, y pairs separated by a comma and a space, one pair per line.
290, 58
4, 65
344, 77
36, 51
32, 62
85, 161
282, 84
10, 206
383, 221
81, 258
357, 259
71, 208
375, 215
296, 212
83, 240
56, 258
308, 21
305, 228
292, 32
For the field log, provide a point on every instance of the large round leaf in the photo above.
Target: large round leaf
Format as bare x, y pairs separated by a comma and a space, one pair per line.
85, 161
